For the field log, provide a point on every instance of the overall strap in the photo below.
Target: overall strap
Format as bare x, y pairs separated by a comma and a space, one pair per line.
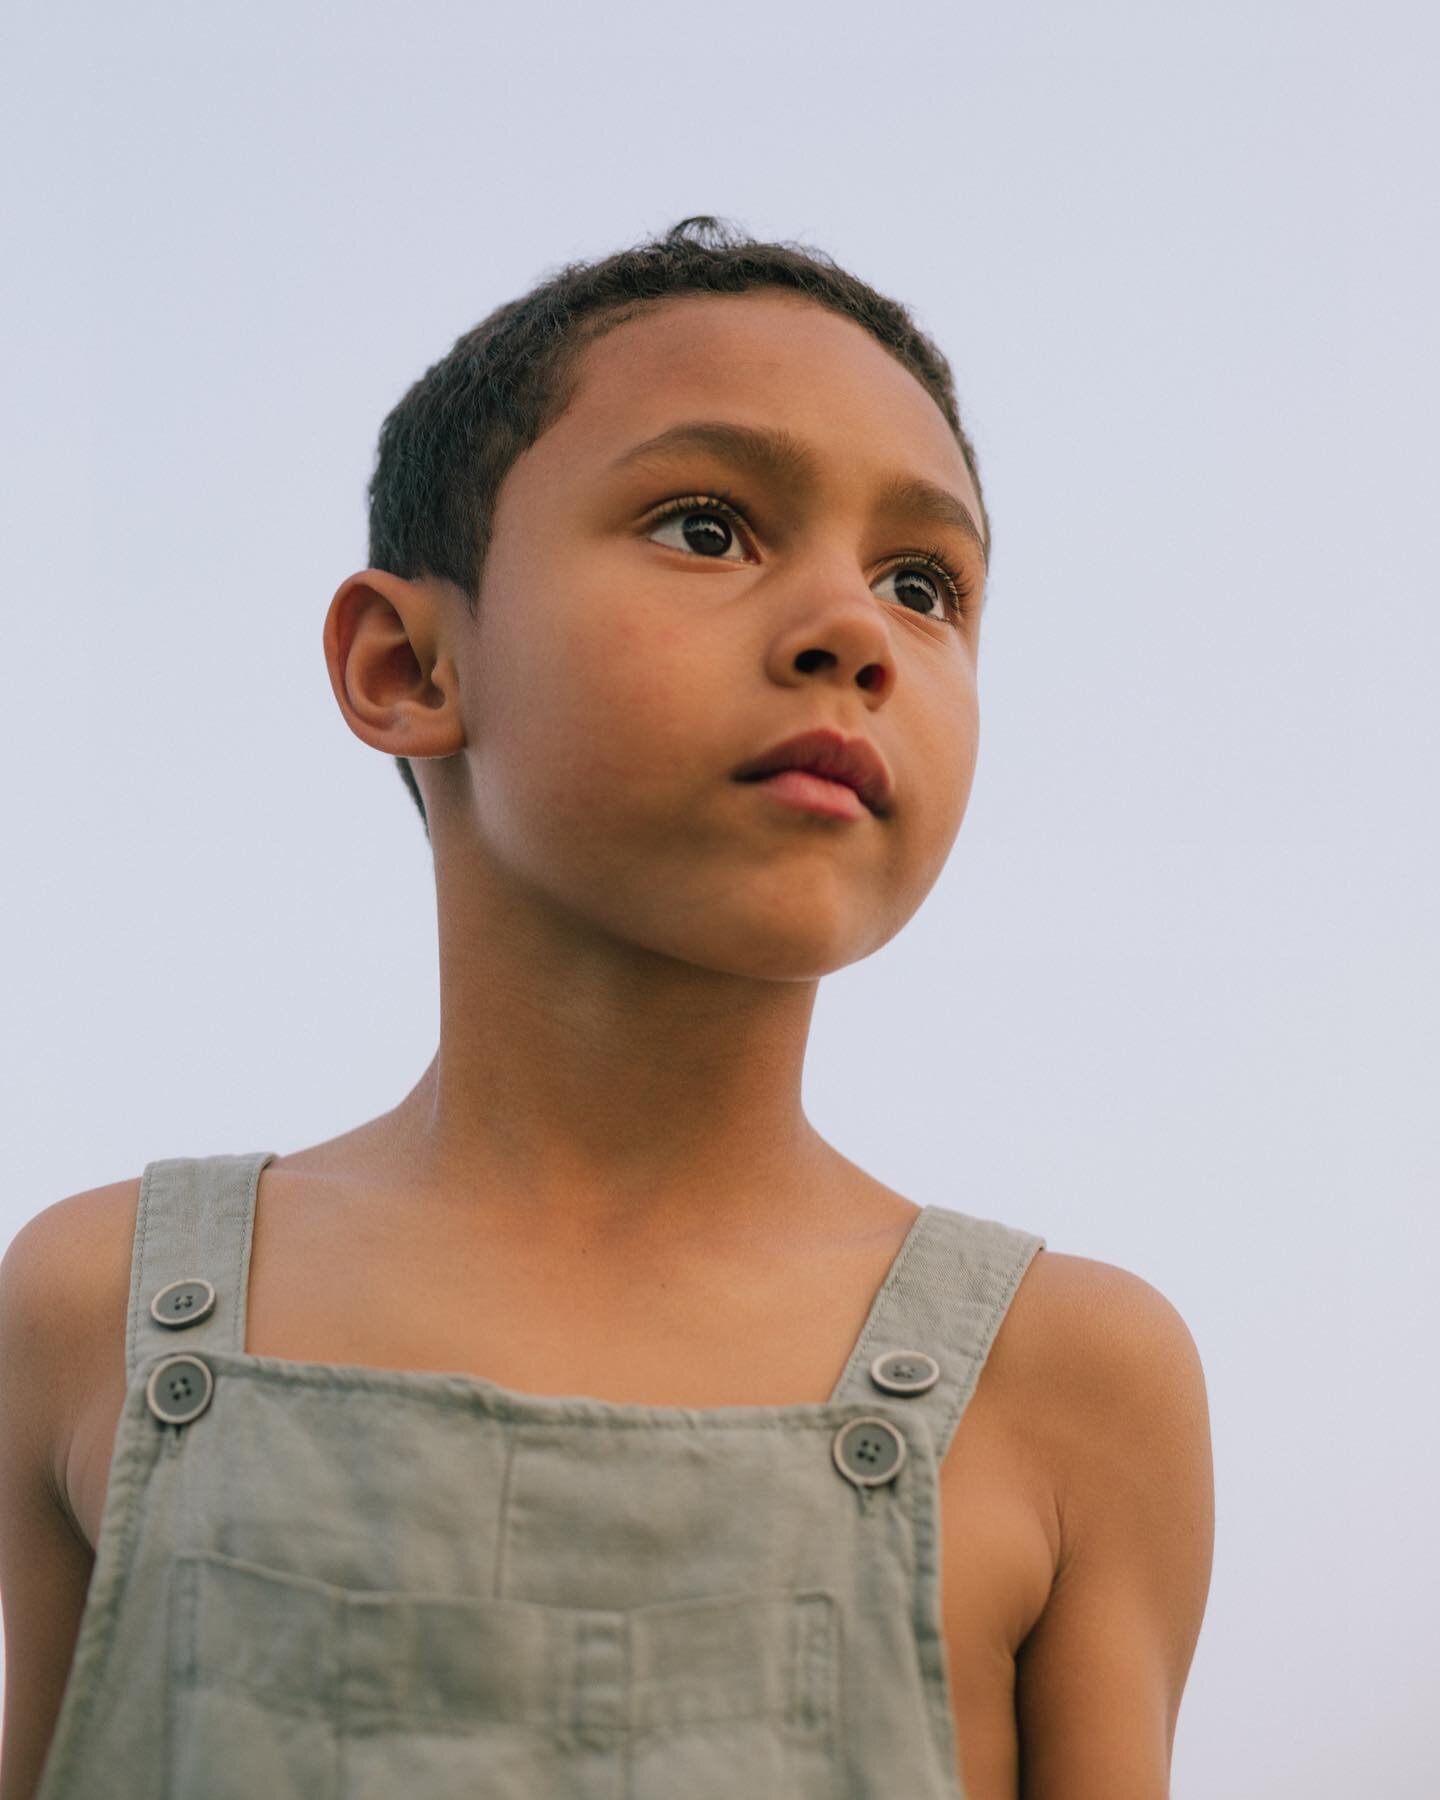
944, 1298
192, 1233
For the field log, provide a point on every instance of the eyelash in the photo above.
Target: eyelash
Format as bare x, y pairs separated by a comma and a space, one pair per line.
934, 562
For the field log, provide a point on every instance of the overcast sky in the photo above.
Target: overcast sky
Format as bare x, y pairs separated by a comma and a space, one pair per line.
1172, 1003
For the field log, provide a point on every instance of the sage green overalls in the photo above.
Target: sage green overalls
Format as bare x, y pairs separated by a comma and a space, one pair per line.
321, 1581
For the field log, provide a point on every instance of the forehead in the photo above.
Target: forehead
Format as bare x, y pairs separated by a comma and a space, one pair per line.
760, 358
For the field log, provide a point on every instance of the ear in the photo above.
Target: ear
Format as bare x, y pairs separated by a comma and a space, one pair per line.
398, 691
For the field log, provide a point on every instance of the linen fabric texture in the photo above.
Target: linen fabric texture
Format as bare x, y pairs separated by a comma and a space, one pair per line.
339, 1582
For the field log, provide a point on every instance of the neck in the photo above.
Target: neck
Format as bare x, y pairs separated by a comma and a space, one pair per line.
592, 1088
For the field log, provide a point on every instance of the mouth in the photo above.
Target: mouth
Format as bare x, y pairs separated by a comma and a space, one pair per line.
826, 759
805, 791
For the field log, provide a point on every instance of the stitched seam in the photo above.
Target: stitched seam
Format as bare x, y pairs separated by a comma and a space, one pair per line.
90, 1659
1023, 1247
502, 1533
352, 1381
928, 1635
919, 1226
132, 1324
1020, 1262
813, 1629
237, 1288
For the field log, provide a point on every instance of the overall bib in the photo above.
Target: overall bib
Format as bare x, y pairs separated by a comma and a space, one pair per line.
320, 1581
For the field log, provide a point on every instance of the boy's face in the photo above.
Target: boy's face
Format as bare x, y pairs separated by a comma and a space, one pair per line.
622, 667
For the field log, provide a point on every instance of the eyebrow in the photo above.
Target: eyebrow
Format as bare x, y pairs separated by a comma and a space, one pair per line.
777, 453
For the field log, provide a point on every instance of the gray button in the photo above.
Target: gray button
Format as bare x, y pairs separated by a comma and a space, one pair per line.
868, 1451
184, 1302
179, 1389
905, 1372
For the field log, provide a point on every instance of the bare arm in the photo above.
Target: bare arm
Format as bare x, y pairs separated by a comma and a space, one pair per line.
45, 1564
1100, 1676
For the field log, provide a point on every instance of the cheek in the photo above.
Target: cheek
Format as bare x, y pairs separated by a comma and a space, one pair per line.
960, 743
598, 704
642, 686
941, 768
964, 751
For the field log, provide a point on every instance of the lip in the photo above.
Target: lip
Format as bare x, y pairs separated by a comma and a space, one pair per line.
812, 794
853, 761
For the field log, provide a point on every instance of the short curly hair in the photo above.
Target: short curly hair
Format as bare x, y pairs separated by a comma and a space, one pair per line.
446, 446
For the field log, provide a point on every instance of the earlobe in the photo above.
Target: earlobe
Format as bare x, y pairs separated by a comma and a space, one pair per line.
395, 687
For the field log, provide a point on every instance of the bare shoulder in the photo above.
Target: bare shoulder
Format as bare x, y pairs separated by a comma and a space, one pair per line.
64, 1297
1064, 1302
64, 1282
1111, 1367
1127, 1433
78, 1247
75, 1221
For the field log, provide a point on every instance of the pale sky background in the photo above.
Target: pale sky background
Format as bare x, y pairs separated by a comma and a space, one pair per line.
1172, 1003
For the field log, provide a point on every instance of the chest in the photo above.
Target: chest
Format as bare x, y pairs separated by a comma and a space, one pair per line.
663, 1337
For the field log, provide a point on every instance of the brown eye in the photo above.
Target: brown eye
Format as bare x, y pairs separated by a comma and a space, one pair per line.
934, 578
698, 525
918, 589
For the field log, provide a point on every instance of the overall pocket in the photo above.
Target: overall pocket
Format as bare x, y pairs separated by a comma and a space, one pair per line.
734, 1695
287, 1688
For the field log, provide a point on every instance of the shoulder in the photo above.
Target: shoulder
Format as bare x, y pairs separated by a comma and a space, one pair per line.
63, 1286
76, 1223
1117, 1374
64, 1297
1092, 1336
1121, 1390
73, 1250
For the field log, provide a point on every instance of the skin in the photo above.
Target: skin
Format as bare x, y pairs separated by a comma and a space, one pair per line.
630, 947
631, 943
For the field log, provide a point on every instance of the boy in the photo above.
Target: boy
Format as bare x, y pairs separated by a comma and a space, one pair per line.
586, 1424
